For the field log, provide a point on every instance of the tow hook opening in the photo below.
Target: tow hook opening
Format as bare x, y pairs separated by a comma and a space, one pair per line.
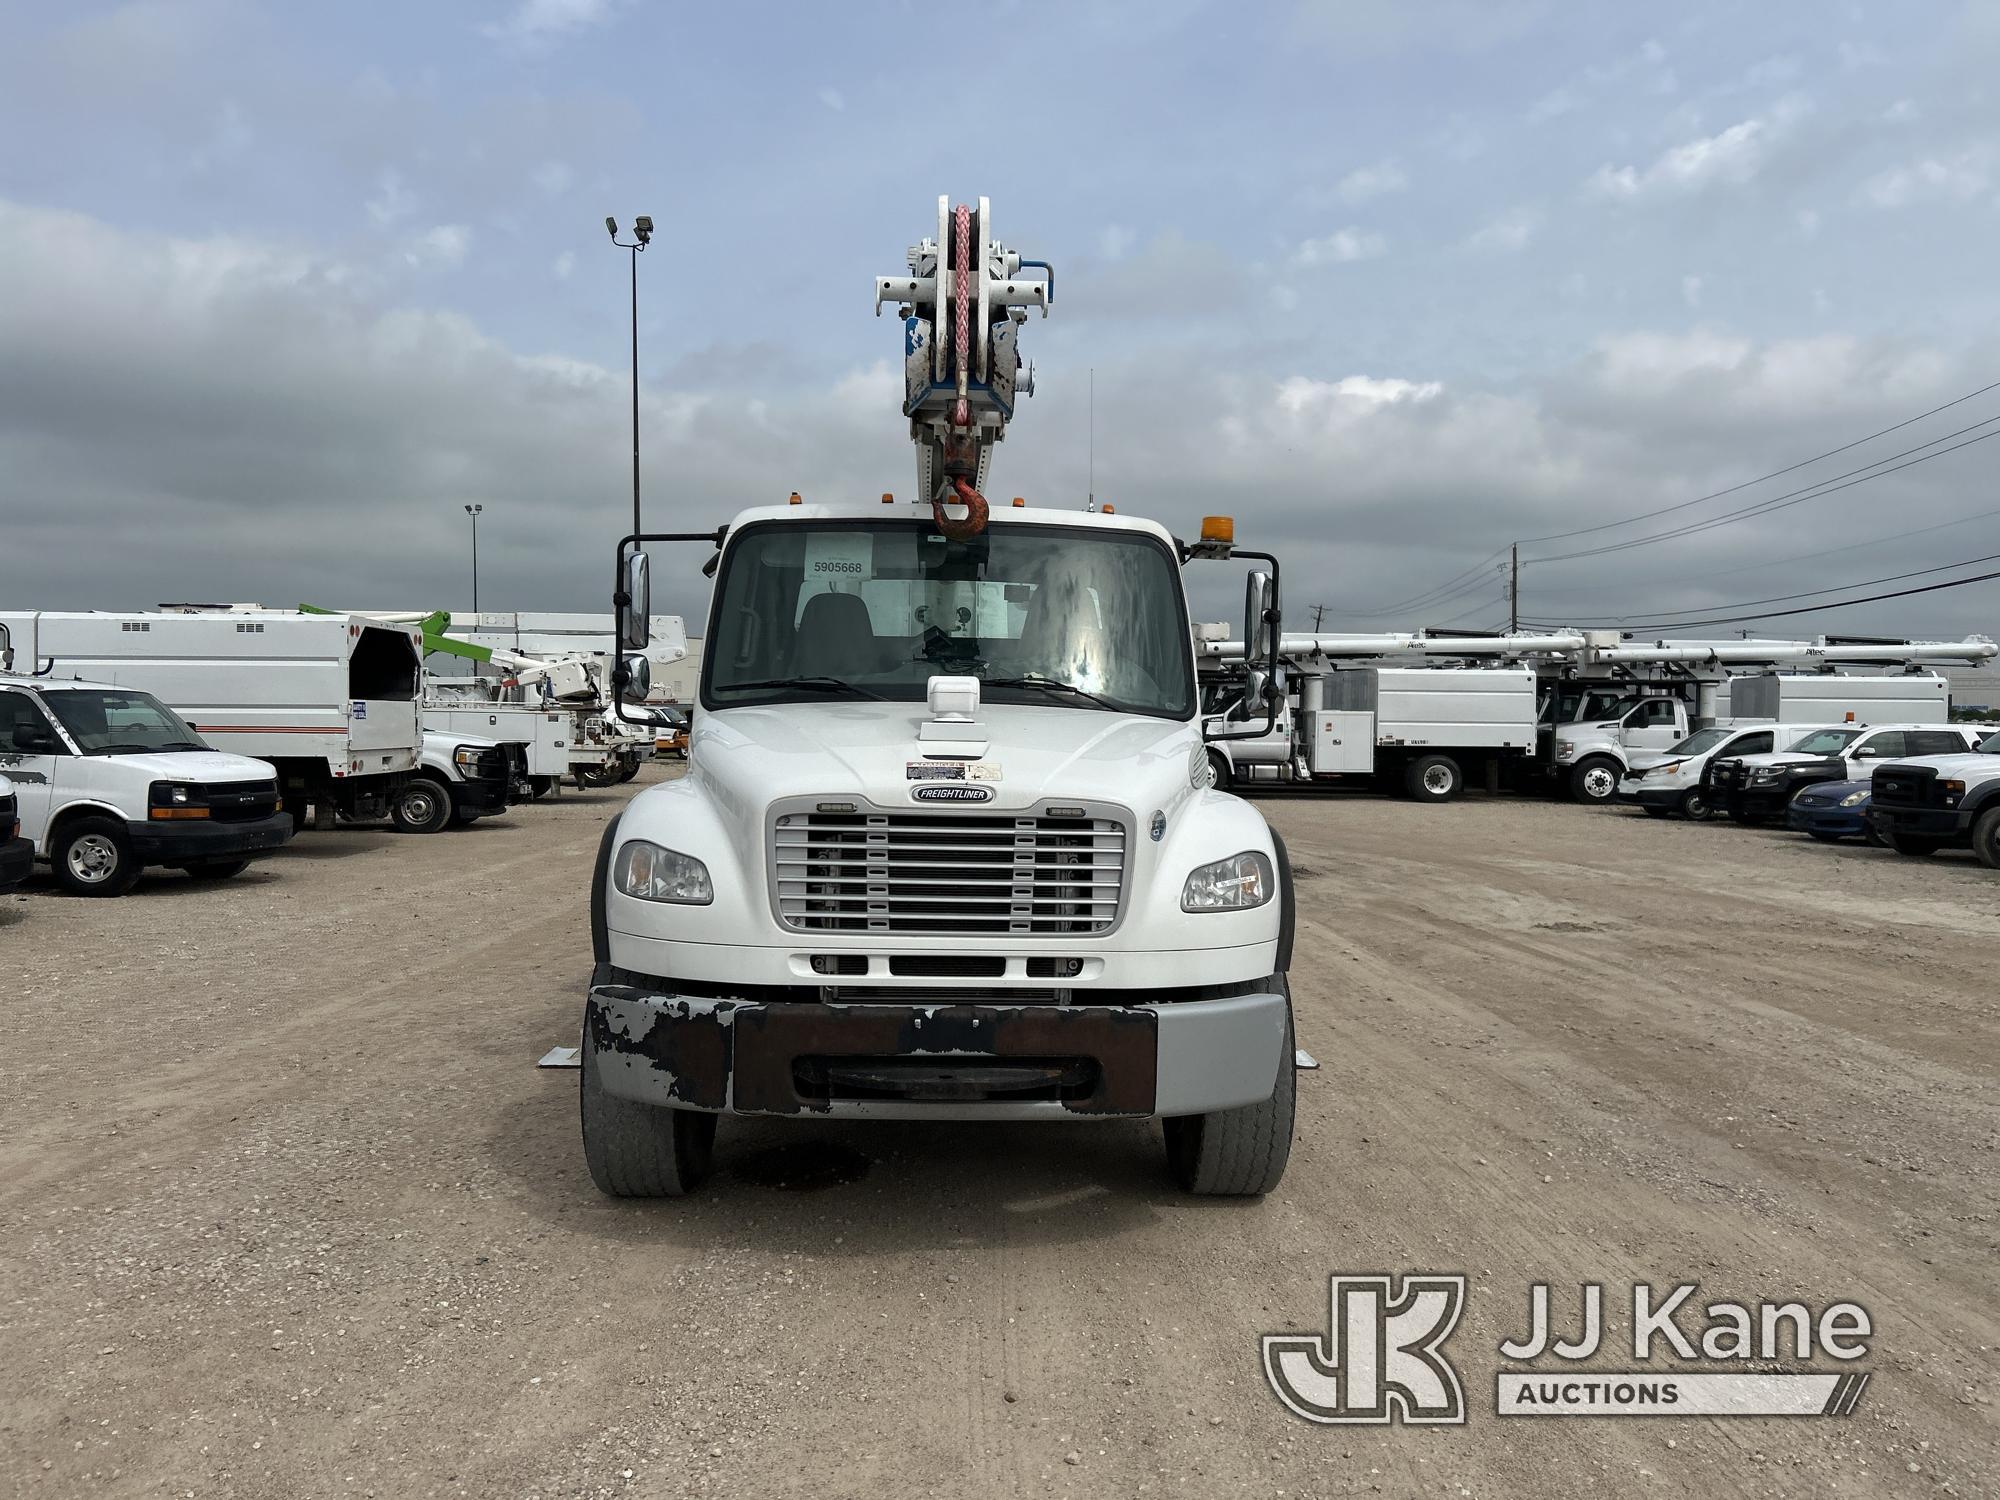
945, 1079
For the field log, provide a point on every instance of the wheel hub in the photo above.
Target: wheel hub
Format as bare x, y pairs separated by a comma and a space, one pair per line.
92, 858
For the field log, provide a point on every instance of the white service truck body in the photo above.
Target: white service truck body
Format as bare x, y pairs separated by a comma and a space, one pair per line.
334, 702
537, 738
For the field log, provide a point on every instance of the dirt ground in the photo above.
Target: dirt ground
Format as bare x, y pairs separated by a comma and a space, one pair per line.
286, 1208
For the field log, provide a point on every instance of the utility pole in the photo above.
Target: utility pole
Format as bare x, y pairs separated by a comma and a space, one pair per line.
1514, 592
1319, 613
473, 511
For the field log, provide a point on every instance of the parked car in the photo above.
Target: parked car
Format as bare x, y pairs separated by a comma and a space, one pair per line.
1676, 780
1757, 788
17, 855
1923, 806
109, 780
1833, 810
671, 738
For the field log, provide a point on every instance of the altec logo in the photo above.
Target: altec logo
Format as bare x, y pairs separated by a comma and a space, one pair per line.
1380, 1362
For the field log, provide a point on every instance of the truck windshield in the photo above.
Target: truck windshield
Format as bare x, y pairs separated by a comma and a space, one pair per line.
1065, 615
120, 722
1990, 745
1826, 742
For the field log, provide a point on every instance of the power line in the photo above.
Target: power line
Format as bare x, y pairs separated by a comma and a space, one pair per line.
1774, 474
1419, 600
1641, 620
1786, 501
1809, 609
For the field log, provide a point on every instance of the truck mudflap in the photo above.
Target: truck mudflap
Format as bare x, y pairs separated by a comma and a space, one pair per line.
935, 1061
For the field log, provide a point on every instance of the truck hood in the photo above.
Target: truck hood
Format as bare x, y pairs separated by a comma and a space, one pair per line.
1973, 765
194, 765
754, 756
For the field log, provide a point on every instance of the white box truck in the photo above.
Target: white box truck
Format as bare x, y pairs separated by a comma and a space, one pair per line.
333, 702
1422, 729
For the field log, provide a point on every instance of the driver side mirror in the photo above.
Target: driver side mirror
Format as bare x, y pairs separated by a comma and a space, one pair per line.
1260, 635
635, 610
1256, 692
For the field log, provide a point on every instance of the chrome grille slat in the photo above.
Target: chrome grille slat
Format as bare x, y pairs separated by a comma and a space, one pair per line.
1001, 874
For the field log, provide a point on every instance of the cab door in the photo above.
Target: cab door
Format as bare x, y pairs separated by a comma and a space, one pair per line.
1652, 725
33, 757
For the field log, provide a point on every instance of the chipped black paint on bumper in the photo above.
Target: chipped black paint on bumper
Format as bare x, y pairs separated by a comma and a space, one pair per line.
936, 1060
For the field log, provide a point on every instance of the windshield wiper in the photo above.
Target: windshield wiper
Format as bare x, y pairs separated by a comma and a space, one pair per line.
1054, 684
816, 684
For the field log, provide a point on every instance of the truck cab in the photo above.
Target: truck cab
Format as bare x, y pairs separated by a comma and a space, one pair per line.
1757, 788
108, 780
1919, 807
1592, 755
459, 779
947, 849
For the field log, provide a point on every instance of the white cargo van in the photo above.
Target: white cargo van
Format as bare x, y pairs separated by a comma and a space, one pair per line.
108, 780
333, 702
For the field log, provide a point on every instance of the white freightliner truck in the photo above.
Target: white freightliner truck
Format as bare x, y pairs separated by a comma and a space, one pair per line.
333, 702
946, 848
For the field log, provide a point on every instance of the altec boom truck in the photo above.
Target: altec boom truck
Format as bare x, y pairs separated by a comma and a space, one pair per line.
947, 847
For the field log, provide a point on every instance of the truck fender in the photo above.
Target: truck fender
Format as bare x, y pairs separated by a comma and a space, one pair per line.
70, 811
600, 879
1287, 909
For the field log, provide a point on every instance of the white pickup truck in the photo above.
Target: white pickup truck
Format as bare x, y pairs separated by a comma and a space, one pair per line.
459, 779
1919, 807
107, 780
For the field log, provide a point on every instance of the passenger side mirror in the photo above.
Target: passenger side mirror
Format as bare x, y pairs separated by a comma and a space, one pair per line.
634, 679
635, 610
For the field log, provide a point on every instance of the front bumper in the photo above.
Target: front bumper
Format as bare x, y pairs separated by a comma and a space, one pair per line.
480, 798
1922, 822
1841, 822
17, 858
177, 843
1651, 796
936, 1061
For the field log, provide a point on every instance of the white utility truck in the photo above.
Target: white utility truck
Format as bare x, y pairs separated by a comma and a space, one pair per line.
333, 702
947, 847
1417, 728
534, 739
107, 780
1595, 756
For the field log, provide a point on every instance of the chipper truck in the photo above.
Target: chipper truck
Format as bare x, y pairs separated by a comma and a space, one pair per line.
948, 846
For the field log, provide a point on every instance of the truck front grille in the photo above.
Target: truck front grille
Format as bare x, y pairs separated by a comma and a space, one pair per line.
941, 874
1906, 786
240, 801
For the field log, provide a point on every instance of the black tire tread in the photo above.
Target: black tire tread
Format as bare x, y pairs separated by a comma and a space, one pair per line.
1986, 838
1240, 1152
637, 1150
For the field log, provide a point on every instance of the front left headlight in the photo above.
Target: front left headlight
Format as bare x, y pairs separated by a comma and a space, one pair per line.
1854, 799
1238, 883
648, 872
466, 757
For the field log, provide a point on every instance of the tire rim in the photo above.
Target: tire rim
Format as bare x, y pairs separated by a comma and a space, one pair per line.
1696, 805
92, 859
1437, 780
1598, 783
419, 807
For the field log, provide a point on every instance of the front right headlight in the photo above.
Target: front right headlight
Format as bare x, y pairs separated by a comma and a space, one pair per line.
1854, 799
1238, 883
648, 872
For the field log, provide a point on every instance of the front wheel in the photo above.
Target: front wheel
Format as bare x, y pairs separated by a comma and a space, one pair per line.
600, 776
1239, 1152
1986, 838
93, 857
422, 806
1434, 778
641, 1150
1218, 766
541, 786
1594, 780
1697, 805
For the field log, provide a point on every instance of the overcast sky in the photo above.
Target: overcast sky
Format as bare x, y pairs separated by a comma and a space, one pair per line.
283, 287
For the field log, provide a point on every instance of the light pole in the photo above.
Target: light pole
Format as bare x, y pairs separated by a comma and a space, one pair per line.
642, 234
473, 511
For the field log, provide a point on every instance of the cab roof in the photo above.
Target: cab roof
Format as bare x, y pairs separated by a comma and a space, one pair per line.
999, 513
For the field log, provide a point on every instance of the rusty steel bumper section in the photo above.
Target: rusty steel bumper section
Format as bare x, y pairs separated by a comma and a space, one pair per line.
944, 1061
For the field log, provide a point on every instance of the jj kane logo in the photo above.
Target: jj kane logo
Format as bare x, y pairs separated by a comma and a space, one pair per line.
1382, 1357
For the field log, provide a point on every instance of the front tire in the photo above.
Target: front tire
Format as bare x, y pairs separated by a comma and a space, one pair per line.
216, 869
1697, 806
1986, 838
1218, 765
1434, 778
422, 806
1239, 1152
641, 1150
541, 786
1594, 780
1912, 845
93, 857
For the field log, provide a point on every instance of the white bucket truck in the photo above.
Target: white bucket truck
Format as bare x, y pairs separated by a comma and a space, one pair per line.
331, 701
947, 847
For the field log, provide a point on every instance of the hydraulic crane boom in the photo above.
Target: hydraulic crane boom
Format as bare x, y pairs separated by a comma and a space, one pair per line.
962, 306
